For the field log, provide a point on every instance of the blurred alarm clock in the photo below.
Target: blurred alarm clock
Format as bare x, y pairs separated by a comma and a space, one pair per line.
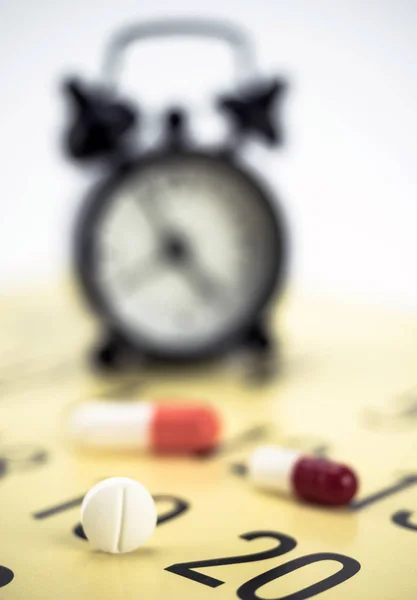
180, 250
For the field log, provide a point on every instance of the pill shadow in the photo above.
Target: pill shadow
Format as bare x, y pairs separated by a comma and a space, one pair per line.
146, 551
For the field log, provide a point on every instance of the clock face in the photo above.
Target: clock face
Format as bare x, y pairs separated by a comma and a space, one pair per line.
180, 253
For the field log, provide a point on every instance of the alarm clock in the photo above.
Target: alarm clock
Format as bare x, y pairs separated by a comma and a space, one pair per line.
179, 250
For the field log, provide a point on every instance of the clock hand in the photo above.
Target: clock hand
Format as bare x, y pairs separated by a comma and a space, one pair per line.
139, 274
173, 248
177, 251
149, 208
152, 206
204, 284
153, 212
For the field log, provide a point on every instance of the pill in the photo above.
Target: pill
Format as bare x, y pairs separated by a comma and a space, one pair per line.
308, 477
118, 515
163, 428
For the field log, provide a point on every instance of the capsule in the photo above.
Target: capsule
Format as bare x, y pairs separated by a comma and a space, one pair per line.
310, 478
161, 428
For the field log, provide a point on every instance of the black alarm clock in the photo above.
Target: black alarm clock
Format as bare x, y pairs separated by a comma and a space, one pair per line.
180, 250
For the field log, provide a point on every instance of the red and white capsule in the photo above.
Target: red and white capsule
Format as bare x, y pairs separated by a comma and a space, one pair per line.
311, 478
162, 428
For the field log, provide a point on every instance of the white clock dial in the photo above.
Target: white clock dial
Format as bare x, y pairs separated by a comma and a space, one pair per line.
183, 250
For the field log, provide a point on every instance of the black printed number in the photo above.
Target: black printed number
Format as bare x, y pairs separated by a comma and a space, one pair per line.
6, 576
179, 507
395, 488
350, 566
402, 519
285, 544
249, 590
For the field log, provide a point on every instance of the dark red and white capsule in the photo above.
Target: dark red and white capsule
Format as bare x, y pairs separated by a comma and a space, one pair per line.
308, 477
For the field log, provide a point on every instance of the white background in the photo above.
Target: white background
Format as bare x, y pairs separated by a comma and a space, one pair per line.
347, 177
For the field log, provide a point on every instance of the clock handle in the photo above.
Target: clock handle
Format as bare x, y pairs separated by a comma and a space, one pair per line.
244, 55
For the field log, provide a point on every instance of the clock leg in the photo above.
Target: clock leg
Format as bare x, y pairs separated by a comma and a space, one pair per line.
263, 353
258, 339
112, 354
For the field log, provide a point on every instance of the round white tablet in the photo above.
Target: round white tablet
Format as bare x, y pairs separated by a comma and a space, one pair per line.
118, 515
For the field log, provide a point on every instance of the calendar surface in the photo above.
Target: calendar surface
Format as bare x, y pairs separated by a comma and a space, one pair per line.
345, 388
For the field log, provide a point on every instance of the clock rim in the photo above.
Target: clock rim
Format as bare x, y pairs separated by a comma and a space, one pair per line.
96, 201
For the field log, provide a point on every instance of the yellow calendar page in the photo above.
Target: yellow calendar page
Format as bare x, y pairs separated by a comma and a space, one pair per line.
345, 388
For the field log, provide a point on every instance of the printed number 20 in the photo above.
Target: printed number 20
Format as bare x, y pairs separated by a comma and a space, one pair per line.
248, 591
